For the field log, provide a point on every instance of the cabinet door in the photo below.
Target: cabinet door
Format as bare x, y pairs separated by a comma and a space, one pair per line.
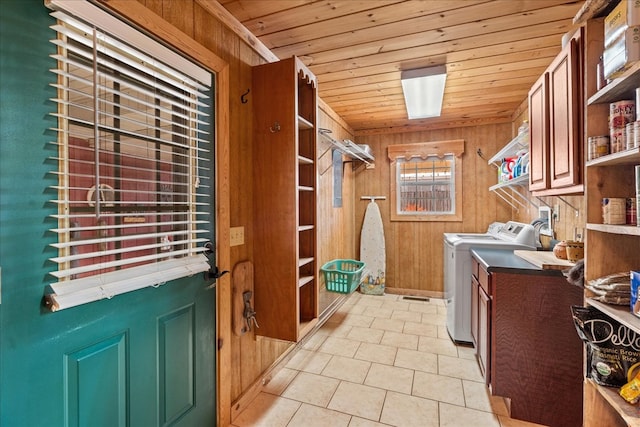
484, 330
474, 311
564, 117
539, 134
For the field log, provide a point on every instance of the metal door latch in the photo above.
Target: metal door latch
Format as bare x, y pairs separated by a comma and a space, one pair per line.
249, 313
215, 273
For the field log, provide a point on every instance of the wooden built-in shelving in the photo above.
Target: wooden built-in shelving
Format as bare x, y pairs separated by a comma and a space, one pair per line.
629, 414
622, 87
609, 248
285, 193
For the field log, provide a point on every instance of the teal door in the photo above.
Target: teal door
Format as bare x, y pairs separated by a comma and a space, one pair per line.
144, 358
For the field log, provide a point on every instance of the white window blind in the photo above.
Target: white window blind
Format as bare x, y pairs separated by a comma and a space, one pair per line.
134, 178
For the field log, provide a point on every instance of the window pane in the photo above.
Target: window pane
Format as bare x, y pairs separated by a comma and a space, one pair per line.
426, 186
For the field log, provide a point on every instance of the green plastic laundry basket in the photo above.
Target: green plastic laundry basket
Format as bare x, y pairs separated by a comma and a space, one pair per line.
342, 275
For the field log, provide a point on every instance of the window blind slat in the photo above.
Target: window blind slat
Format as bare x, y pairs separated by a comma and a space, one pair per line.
98, 254
84, 35
194, 264
81, 291
125, 226
197, 113
119, 263
134, 111
106, 240
174, 88
119, 215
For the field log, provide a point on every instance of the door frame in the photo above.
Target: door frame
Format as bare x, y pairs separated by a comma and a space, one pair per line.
144, 18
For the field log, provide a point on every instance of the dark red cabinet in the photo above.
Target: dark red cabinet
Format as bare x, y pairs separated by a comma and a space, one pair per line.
526, 343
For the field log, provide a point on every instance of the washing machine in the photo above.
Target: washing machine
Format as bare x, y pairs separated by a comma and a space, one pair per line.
457, 269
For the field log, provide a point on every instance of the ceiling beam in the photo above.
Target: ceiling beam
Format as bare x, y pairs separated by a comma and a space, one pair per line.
215, 9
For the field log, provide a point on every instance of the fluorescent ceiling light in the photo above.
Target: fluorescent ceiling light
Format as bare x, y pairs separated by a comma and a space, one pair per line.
423, 91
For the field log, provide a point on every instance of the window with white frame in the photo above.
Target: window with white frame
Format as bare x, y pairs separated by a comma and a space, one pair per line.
426, 184
426, 187
134, 159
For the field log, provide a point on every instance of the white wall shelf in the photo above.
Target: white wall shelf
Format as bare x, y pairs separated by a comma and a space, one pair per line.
520, 142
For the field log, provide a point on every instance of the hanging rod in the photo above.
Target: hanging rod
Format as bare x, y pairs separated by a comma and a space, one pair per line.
347, 147
373, 198
510, 198
513, 197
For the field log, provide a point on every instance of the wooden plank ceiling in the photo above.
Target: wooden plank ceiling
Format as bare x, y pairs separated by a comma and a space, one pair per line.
493, 51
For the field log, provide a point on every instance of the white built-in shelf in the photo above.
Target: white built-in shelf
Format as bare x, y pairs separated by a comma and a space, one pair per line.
304, 261
520, 142
626, 157
304, 280
522, 180
350, 148
304, 188
621, 313
305, 227
304, 123
302, 160
628, 230
629, 413
623, 87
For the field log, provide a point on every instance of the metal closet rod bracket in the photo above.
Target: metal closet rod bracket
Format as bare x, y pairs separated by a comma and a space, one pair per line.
576, 210
510, 198
347, 147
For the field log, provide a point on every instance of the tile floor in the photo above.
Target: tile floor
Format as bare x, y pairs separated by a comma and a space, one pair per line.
380, 360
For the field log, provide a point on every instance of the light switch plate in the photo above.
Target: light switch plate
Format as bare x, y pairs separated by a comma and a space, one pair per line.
236, 236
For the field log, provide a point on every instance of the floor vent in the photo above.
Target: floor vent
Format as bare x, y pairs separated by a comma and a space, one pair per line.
417, 299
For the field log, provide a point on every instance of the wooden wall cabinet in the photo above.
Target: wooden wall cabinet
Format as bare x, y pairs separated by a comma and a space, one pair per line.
539, 134
284, 203
555, 120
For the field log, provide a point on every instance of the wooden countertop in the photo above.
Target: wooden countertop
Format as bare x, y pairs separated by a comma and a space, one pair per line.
545, 260
505, 261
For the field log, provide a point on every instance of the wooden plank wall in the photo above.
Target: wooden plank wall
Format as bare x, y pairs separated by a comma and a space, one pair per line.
335, 224
253, 355
415, 249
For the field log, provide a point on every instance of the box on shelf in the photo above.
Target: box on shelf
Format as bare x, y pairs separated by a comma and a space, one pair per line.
623, 52
626, 14
635, 288
637, 169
